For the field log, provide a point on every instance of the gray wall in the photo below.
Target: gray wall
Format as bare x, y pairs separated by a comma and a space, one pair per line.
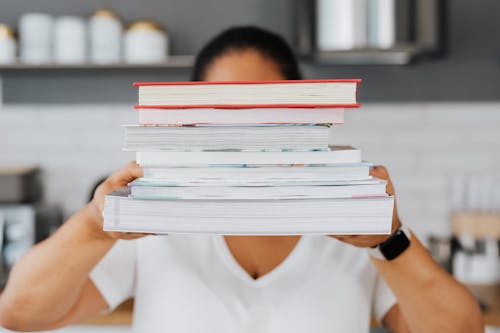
469, 71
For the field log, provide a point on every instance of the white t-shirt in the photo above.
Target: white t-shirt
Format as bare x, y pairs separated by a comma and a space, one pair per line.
192, 283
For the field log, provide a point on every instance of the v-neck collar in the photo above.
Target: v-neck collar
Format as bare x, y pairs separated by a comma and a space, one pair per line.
289, 268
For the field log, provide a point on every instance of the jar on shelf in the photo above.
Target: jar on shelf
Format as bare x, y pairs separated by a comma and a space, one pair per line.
105, 30
7, 44
145, 42
35, 38
70, 40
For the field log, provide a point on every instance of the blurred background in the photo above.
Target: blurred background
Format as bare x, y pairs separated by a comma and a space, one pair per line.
430, 94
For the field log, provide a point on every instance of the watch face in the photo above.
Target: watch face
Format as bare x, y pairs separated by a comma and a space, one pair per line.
394, 245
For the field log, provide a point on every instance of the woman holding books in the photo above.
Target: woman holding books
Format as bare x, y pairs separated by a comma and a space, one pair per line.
200, 283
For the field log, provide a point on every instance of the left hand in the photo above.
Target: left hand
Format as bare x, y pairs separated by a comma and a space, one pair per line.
374, 240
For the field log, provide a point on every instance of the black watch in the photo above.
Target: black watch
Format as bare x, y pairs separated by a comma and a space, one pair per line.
393, 246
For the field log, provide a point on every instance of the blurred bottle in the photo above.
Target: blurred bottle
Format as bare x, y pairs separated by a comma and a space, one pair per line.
475, 255
105, 29
145, 42
7, 45
18, 232
70, 40
35, 33
477, 262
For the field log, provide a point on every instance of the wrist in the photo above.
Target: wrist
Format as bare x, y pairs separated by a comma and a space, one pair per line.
395, 245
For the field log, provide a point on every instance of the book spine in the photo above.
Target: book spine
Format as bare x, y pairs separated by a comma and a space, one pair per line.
154, 159
111, 213
248, 106
152, 116
139, 84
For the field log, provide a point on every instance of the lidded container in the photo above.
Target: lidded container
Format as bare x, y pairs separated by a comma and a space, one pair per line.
35, 38
105, 32
7, 45
70, 40
145, 42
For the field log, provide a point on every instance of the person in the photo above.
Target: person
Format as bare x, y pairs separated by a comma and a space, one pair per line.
214, 283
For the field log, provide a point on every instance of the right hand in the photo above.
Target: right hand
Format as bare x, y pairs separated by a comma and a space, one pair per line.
118, 179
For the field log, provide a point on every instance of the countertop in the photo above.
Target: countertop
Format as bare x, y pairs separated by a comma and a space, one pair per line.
123, 314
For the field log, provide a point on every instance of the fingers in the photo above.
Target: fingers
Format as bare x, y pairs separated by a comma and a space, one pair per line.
129, 235
361, 240
381, 172
126, 174
372, 240
118, 179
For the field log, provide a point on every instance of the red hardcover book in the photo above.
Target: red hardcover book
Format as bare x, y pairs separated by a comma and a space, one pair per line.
339, 93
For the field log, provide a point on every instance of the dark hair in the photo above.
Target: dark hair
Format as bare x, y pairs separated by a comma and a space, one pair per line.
269, 44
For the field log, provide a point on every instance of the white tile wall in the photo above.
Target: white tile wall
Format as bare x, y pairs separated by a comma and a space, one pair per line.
422, 144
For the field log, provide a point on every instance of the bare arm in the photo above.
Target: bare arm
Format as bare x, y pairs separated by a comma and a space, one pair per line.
49, 287
429, 299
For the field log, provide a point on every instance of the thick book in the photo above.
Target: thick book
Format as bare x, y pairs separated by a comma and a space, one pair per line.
373, 188
337, 154
249, 94
248, 217
159, 116
226, 138
260, 173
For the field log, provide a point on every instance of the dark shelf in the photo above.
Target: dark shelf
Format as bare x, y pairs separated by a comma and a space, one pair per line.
401, 55
396, 56
176, 61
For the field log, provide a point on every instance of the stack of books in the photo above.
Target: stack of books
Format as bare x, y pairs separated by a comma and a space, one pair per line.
247, 158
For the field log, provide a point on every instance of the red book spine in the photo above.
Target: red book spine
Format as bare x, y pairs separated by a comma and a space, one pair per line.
138, 84
252, 106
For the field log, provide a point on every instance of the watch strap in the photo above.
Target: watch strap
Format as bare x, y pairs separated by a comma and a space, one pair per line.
393, 246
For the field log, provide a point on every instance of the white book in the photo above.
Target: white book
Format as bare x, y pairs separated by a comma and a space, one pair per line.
263, 137
237, 173
341, 24
160, 159
242, 116
375, 189
249, 217
186, 182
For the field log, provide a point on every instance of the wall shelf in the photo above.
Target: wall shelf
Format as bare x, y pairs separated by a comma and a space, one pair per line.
401, 55
173, 62
395, 56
